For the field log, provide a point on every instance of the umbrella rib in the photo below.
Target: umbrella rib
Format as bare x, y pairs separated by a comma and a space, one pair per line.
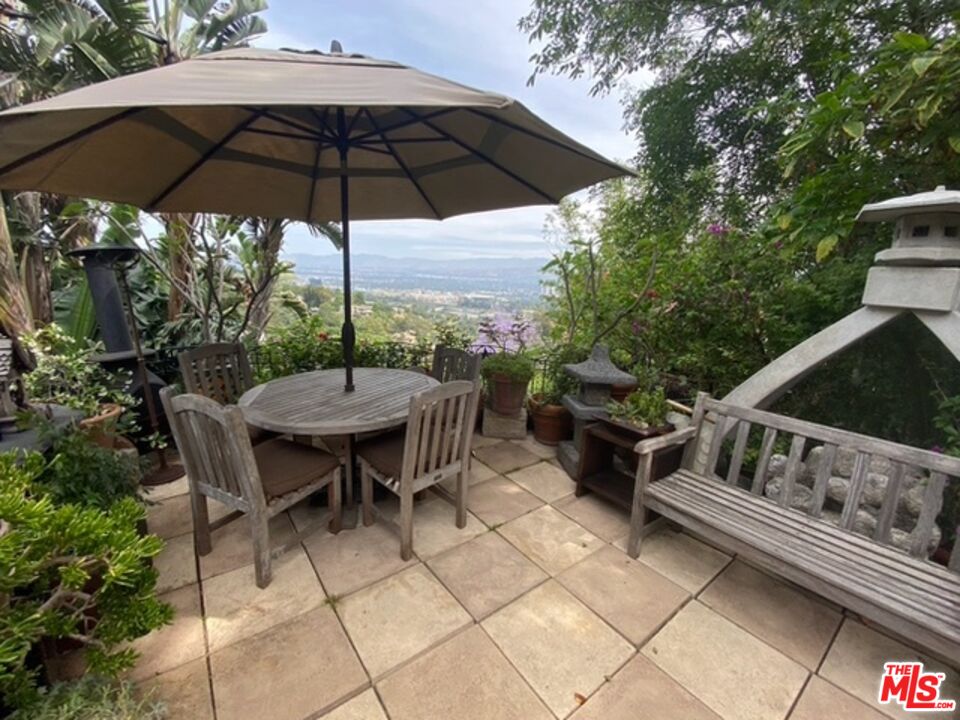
291, 123
544, 138
403, 165
486, 158
206, 156
403, 124
277, 133
56, 145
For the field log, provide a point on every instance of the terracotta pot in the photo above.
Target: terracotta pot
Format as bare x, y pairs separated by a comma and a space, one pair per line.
620, 392
506, 395
101, 428
552, 424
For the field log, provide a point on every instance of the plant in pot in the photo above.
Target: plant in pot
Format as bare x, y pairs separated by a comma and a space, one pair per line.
643, 414
71, 573
552, 421
507, 376
66, 374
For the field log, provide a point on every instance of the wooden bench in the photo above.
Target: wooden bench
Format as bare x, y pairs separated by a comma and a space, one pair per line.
900, 589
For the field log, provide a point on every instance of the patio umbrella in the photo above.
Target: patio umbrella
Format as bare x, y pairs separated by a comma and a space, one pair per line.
306, 136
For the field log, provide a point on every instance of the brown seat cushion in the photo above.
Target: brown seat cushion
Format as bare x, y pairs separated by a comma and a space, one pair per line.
384, 452
286, 466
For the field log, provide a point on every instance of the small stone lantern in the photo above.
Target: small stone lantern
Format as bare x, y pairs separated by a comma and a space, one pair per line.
597, 375
14, 361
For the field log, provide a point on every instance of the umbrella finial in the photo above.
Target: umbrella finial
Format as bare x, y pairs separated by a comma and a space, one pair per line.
336, 47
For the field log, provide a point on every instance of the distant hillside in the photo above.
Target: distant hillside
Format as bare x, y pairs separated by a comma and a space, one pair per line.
515, 276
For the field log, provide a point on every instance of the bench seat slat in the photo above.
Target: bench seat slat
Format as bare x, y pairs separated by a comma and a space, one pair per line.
885, 586
886, 559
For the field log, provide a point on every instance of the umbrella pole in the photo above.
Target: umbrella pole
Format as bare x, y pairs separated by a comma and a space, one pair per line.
347, 334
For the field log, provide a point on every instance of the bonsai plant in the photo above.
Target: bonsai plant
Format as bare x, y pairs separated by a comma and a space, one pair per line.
507, 376
642, 409
71, 573
67, 375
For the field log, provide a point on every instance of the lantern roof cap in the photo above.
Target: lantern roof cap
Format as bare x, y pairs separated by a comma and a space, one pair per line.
598, 369
940, 200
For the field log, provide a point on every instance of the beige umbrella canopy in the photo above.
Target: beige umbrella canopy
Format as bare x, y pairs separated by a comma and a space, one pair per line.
301, 135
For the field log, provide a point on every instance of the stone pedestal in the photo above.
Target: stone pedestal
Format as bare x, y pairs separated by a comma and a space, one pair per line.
504, 426
568, 452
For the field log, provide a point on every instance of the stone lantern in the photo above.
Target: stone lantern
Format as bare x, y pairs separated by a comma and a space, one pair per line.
596, 375
14, 361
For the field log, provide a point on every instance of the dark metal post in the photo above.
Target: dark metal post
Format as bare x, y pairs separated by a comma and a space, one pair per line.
347, 333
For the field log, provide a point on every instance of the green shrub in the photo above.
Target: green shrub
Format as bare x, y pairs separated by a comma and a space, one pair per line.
86, 474
515, 366
643, 408
69, 572
92, 698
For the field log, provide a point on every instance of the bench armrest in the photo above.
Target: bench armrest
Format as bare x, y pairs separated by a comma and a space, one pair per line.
677, 437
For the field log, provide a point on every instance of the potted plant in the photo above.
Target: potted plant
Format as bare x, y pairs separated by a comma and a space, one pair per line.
507, 376
67, 375
552, 421
642, 414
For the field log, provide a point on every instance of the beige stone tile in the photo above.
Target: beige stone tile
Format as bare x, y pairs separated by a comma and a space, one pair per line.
236, 608
176, 644
184, 691
550, 539
478, 473
855, 664
167, 490
821, 700
505, 457
599, 516
365, 706
731, 671
642, 690
173, 516
545, 452
233, 544
636, 600
795, 623
479, 441
500, 500
176, 564
486, 573
355, 558
546, 481
434, 525
560, 647
291, 671
400, 617
465, 678
686, 561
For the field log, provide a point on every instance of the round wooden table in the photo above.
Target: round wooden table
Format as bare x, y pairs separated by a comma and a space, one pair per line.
315, 403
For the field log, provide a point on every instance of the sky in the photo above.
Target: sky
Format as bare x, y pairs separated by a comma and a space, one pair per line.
476, 43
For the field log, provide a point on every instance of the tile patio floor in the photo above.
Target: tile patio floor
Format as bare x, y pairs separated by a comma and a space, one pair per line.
532, 611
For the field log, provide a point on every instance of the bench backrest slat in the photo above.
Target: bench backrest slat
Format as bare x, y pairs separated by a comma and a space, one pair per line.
891, 498
822, 479
858, 479
792, 470
932, 504
863, 443
763, 463
739, 449
716, 444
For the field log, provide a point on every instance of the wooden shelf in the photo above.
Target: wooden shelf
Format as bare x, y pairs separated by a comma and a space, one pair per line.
615, 486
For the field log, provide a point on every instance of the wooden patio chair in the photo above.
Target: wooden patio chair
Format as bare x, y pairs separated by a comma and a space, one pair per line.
434, 447
451, 364
259, 481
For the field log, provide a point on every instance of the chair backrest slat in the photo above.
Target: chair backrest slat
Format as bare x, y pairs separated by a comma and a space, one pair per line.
891, 498
716, 444
451, 364
220, 371
437, 436
215, 445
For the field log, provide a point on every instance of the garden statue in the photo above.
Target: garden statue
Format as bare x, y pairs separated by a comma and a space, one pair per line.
14, 361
